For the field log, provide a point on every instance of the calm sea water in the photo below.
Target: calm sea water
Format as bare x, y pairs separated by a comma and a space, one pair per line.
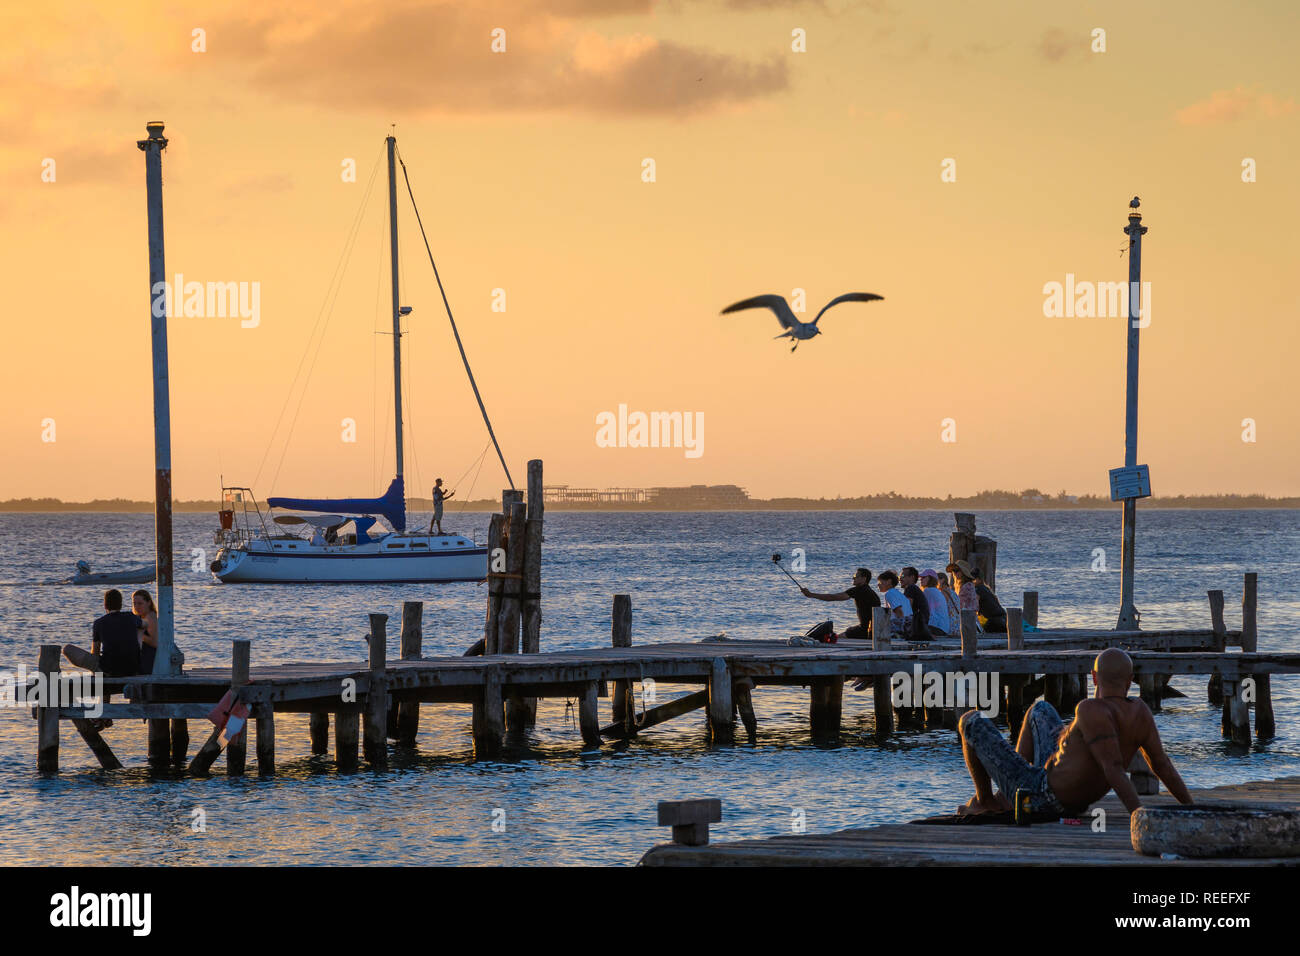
690, 575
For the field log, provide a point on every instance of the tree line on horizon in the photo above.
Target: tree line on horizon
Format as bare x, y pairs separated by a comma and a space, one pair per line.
996, 499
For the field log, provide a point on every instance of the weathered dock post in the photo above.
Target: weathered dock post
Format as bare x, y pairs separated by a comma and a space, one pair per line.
742, 694
159, 732
690, 819
589, 715
970, 634
237, 749
508, 623
47, 715
1214, 690
318, 727
489, 716
1265, 725
624, 704
167, 662
961, 543
1015, 685
412, 640
265, 725
180, 741
722, 721
347, 737
532, 590
1029, 606
1129, 483
496, 570
881, 702
375, 731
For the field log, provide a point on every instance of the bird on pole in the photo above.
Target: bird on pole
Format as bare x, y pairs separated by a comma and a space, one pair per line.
794, 329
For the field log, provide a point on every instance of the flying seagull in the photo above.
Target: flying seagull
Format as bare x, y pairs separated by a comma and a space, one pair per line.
794, 329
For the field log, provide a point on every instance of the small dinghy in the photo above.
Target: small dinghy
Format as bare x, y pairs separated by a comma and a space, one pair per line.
137, 575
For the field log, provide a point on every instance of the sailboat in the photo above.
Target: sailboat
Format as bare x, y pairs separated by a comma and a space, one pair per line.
344, 545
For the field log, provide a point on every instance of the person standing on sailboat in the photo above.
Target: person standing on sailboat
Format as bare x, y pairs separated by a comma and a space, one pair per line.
439, 496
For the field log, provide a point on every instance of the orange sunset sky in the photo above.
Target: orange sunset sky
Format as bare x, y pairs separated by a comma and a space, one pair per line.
775, 170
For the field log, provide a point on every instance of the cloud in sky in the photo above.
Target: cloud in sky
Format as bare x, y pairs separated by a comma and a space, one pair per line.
1226, 106
438, 58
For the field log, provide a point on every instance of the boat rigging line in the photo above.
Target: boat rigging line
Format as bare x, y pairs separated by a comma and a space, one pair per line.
454, 330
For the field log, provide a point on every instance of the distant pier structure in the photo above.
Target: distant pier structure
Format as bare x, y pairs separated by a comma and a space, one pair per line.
686, 498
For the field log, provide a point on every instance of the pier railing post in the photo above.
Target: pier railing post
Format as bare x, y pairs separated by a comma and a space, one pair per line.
375, 734
722, 721
47, 715
624, 707
969, 634
237, 749
412, 640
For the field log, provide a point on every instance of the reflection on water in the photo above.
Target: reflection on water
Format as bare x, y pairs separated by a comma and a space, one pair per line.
690, 576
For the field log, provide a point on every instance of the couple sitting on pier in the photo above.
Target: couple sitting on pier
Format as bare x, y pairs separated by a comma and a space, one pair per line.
1062, 769
122, 643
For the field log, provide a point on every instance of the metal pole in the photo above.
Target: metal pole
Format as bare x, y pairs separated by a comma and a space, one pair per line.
166, 661
397, 316
1128, 614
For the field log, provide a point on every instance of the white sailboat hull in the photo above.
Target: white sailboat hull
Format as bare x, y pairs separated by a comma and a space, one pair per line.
391, 559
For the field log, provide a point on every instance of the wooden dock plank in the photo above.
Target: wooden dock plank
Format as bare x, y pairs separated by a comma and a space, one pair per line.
915, 844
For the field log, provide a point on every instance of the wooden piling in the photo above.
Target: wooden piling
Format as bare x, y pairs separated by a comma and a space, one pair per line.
589, 715
347, 733
1015, 685
496, 568
1029, 603
969, 634
1265, 723
412, 641
180, 741
508, 616
882, 703
1214, 690
985, 557
741, 692
621, 636
375, 736
962, 540
489, 716
98, 746
722, 722
532, 593
159, 734
266, 743
319, 728
237, 749
1238, 714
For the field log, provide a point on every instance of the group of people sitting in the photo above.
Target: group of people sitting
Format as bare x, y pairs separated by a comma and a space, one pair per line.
922, 604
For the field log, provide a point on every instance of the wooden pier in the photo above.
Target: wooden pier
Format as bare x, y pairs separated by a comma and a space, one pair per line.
378, 700
915, 844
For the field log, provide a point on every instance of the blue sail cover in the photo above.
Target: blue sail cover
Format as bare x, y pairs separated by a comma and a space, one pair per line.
391, 507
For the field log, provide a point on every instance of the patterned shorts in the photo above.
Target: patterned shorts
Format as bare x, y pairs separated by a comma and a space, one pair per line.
1007, 768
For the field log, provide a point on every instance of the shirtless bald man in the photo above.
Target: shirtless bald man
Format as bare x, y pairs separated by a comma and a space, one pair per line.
1066, 769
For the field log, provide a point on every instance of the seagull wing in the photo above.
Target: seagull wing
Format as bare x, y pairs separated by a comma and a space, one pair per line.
848, 297
774, 302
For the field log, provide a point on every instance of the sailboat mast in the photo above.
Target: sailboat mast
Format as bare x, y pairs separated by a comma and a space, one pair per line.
397, 316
